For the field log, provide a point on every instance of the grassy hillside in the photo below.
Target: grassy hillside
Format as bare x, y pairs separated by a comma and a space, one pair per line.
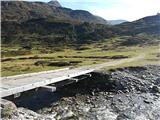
149, 25
21, 11
51, 32
16, 61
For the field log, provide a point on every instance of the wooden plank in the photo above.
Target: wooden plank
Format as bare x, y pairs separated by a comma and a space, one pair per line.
37, 73
49, 88
30, 86
74, 79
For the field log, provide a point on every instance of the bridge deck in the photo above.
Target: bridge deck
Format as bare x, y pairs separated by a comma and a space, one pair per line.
21, 83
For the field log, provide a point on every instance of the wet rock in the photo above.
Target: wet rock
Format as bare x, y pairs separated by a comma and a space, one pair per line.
92, 93
157, 81
156, 89
86, 109
147, 101
143, 76
106, 115
67, 114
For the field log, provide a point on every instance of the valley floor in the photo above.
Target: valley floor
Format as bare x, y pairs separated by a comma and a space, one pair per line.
16, 61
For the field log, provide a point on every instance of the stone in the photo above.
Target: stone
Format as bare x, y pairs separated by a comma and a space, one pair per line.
86, 109
147, 101
143, 76
158, 81
93, 93
8, 108
68, 114
156, 89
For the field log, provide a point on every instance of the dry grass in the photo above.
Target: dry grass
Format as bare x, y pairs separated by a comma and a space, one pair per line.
20, 64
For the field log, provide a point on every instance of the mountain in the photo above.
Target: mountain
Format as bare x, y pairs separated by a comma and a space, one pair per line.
49, 32
54, 3
116, 22
20, 11
44, 24
148, 25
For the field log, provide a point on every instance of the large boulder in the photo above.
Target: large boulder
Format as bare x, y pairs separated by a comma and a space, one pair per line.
8, 108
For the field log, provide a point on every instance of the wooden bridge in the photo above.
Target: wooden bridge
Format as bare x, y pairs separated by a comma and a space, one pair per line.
16, 84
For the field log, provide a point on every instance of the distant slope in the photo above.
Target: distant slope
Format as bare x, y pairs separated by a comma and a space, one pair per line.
149, 25
49, 32
21, 11
116, 22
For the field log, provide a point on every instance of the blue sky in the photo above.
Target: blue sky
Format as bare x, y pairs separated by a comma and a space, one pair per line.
115, 9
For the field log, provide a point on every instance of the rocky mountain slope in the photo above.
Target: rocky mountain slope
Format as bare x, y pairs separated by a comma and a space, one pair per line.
149, 25
54, 3
49, 24
20, 11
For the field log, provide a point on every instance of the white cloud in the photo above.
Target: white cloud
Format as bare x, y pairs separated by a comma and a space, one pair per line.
115, 9
128, 9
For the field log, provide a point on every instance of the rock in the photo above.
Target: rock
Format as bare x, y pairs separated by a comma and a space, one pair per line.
8, 108
147, 101
25, 111
88, 101
105, 114
54, 3
156, 89
67, 114
92, 93
86, 109
143, 76
50, 117
157, 81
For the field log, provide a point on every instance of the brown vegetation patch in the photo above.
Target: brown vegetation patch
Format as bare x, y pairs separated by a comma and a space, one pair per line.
56, 63
96, 57
25, 58
7, 59
15, 53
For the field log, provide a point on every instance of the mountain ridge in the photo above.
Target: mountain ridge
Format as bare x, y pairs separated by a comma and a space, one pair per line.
148, 24
22, 11
54, 3
36, 27
116, 22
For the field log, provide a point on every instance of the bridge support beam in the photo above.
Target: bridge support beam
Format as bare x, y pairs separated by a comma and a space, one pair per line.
17, 95
74, 79
49, 88
88, 75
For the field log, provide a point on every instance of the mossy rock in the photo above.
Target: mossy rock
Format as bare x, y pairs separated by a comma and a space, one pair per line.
8, 108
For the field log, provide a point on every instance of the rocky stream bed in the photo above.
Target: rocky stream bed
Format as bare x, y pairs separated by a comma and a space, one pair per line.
131, 93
